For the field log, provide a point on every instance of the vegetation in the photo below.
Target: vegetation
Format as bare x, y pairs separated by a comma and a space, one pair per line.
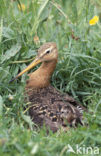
24, 26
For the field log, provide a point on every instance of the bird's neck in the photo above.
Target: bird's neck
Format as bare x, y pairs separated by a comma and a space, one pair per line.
48, 67
41, 77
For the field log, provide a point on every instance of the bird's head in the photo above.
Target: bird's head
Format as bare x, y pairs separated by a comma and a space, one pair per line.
46, 53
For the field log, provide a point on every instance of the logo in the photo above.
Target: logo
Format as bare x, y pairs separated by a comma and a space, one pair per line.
70, 149
83, 150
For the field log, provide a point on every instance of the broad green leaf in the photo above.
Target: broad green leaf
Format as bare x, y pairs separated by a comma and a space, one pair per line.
11, 52
8, 33
34, 149
27, 119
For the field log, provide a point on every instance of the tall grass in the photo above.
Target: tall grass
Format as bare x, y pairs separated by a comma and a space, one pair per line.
78, 71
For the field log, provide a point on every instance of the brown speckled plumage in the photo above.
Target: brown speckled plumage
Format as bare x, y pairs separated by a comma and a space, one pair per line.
53, 109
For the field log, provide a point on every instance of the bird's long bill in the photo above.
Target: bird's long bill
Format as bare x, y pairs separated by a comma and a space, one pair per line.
33, 64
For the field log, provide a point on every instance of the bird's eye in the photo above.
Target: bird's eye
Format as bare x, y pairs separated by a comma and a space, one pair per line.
48, 51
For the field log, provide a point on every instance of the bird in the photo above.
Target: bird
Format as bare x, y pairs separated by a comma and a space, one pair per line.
48, 106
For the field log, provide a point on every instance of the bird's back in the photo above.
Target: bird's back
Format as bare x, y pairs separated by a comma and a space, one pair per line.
55, 110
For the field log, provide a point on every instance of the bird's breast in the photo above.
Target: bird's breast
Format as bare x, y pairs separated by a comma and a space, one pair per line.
38, 80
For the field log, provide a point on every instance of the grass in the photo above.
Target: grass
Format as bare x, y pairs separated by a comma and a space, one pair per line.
78, 72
